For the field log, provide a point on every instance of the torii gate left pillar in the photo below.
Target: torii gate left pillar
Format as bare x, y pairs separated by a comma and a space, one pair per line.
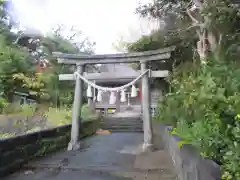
146, 104
76, 111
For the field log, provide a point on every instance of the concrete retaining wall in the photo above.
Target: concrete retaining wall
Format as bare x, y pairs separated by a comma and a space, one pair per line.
187, 161
16, 151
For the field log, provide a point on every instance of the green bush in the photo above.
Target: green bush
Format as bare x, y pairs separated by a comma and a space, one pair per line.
28, 109
16, 109
203, 106
63, 116
12, 108
86, 114
3, 104
58, 117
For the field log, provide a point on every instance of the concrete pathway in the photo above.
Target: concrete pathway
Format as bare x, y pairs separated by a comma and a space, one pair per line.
102, 157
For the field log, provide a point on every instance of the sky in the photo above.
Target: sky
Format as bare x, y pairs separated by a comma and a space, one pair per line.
102, 21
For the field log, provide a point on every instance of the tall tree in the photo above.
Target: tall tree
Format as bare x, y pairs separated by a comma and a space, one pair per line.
49, 87
215, 23
13, 58
22, 52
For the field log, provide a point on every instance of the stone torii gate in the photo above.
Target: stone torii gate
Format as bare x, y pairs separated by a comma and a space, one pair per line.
139, 57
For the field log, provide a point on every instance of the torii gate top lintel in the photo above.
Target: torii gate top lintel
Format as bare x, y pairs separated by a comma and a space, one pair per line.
154, 55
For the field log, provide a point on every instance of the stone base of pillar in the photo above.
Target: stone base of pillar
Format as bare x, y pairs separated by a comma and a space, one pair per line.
73, 146
147, 147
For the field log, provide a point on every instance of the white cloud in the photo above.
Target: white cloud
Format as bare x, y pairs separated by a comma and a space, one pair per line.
102, 21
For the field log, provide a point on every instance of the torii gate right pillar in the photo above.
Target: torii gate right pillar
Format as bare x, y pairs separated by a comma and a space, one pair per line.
146, 109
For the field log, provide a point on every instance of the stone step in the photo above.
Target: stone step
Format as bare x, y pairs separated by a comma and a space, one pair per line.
121, 127
122, 124
113, 124
124, 130
122, 120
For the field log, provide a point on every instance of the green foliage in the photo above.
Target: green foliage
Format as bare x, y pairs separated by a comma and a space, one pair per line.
18, 62
220, 18
3, 104
183, 40
204, 107
63, 116
12, 108
60, 93
28, 109
202, 104
12, 60
16, 109
86, 114
34, 84
58, 117
6, 135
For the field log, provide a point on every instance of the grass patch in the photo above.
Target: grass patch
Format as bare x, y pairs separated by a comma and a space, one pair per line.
86, 114
6, 135
58, 117
21, 116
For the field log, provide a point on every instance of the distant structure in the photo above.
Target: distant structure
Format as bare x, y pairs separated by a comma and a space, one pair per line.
117, 73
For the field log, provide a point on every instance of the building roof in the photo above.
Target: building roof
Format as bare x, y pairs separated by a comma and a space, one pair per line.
115, 70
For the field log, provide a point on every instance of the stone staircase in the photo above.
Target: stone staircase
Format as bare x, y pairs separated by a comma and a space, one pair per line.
122, 124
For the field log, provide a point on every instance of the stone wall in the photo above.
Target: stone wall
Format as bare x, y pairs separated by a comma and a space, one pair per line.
187, 161
16, 151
